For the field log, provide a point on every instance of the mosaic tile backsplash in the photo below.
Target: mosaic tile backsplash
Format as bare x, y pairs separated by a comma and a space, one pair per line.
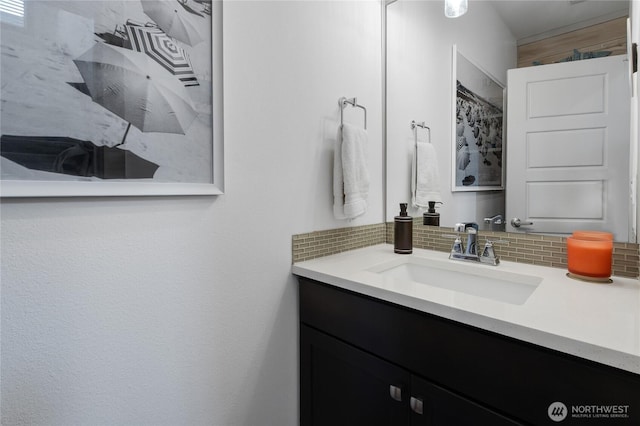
323, 243
524, 248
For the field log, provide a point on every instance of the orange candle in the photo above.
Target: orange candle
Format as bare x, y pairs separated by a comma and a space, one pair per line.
589, 256
593, 235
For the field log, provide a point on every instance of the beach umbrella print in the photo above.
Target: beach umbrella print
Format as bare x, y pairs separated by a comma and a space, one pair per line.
174, 20
161, 48
136, 88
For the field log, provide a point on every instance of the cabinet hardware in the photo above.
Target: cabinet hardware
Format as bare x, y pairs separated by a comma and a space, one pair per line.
416, 405
395, 392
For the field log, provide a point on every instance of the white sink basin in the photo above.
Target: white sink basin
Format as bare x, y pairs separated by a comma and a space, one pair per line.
475, 279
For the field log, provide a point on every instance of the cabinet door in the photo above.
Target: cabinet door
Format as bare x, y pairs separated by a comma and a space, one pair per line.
342, 385
434, 406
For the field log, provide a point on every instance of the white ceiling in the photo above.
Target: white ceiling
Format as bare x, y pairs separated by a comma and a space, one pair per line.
530, 20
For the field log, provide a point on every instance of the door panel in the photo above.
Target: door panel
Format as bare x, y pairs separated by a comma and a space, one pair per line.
581, 199
571, 148
342, 385
568, 147
566, 96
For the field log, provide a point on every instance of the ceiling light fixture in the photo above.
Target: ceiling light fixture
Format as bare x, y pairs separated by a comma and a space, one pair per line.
455, 8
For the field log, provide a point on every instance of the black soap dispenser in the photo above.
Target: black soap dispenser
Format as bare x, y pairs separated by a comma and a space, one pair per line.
431, 217
403, 232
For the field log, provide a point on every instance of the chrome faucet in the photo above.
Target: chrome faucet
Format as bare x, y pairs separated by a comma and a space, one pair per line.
472, 237
495, 220
470, 252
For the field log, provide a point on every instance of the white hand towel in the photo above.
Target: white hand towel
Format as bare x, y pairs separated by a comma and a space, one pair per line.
425, 177
351, 175
338, 180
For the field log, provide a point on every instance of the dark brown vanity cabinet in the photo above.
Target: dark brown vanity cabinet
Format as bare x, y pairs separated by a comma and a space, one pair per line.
343, 385
364, 361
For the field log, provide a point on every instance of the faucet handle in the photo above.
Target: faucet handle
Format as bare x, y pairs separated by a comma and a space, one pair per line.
457, 246
489, 254
488, 250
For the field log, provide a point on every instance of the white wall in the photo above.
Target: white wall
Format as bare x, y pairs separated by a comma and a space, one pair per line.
183, 311
419, 87
635, 119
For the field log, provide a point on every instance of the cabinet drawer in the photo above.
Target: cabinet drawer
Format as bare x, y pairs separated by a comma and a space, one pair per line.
515, 377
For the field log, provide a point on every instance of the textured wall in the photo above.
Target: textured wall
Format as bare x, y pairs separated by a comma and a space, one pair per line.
183, 311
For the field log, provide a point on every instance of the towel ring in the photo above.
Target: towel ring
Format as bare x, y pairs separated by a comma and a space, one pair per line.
414, 127
342, 102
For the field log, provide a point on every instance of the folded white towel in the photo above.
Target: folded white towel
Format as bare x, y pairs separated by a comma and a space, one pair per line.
425, 177
338, 181
350, 173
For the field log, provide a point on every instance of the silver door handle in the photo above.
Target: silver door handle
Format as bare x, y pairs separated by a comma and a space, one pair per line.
416, 405
517, 223
395, 392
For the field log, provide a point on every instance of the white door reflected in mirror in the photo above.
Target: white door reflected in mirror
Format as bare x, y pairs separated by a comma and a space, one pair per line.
568, 151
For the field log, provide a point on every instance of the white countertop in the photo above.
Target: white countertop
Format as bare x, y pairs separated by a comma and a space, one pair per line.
599, 322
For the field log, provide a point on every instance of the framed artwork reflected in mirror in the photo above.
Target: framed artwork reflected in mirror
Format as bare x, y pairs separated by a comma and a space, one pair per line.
478, 128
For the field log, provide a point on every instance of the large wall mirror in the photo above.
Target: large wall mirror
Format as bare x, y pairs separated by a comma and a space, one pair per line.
420, 88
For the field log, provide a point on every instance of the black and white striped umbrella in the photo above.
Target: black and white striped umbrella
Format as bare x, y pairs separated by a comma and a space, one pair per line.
162, 49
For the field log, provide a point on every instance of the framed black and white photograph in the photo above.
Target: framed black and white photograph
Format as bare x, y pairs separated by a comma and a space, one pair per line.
111, 97
478, 137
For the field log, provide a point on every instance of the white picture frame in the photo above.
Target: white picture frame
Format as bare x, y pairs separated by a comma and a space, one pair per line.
478, 127
209, 178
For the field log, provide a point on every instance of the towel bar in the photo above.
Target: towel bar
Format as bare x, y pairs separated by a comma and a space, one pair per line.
415, 125
342, 102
